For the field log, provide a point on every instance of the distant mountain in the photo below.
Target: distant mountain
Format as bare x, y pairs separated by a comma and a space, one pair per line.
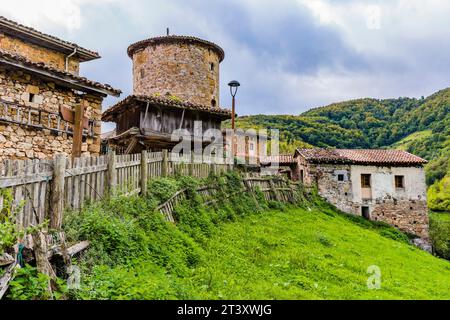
420, 126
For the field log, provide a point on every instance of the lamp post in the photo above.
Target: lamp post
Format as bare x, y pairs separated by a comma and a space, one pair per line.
234, 86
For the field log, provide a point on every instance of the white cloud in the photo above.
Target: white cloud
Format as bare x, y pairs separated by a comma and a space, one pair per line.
47, 13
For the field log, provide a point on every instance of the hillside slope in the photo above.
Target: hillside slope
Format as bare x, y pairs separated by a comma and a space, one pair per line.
245, 248
289, 254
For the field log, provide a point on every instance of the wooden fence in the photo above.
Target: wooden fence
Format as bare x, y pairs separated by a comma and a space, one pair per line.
42, 189
273, 189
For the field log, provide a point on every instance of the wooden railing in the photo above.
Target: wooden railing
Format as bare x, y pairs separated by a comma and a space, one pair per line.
37, 118
273, 189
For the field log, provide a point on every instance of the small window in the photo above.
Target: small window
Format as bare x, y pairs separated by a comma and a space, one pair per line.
365, 212
365, 181
31, 97
400, 182
251, 147
212, 66
213, 103
341, 177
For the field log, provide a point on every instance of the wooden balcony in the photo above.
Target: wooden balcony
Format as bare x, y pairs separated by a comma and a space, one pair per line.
38, 119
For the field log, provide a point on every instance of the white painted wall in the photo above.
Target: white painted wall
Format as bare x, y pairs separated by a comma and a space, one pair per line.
383, 182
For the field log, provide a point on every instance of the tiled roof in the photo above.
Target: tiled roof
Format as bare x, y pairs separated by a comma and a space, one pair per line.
44, 39
20, 61
281, 159
175, 39
360, 156
110, 114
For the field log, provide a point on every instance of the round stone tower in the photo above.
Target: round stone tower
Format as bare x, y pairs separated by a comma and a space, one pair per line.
177, 66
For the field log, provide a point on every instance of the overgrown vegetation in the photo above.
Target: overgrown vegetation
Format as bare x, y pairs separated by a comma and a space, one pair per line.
440, 234
238, 247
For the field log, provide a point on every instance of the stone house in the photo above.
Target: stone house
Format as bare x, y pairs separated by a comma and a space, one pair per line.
175, 87
40, 88
382, 185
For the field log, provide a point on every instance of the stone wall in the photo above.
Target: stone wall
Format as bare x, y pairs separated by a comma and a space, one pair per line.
409, 216
187, 71
36, 53
20, 142
405, 209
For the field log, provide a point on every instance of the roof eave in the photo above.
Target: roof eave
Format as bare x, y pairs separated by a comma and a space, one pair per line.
109, 114
72, 83
44, 40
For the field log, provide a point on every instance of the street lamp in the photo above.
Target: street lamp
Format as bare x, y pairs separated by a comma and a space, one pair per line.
234, 86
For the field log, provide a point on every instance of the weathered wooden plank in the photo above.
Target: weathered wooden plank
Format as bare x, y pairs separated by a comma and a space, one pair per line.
6, 278
57, 196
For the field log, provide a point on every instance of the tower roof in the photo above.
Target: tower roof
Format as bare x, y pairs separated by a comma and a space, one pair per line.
175, 39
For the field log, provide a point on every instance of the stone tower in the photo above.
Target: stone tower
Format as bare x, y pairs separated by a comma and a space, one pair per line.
179, 67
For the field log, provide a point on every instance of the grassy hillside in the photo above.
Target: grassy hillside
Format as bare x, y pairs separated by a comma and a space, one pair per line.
242, 248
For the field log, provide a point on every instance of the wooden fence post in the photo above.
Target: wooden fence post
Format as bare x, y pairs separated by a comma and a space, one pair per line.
191, 165
112, 173
165, 164
274, 191
57, 193
144, 172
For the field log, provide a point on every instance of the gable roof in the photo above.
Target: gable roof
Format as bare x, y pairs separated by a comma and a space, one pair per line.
111, 113
69, 79
280, 159
360, 156
44, 40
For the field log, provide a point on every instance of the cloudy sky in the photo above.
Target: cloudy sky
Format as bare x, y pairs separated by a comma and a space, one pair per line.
289, 55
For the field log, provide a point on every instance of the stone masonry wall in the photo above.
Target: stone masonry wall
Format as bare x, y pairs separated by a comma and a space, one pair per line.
20, 142
409, 216
405, 210
187, 71
38, 54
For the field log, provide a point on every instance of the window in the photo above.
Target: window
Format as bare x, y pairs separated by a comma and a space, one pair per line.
142, 73
31, 97
341, 177
212, 66
400, 182
365, 181
213, 103
365, 212
251, 147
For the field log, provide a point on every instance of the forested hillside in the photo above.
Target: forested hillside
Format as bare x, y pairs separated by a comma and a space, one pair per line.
420, 126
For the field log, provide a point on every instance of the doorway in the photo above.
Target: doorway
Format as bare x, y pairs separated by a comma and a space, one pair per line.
365, 212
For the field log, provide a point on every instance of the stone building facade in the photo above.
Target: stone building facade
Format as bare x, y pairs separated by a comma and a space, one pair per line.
381, 185
40, 87
175, 89
177, 66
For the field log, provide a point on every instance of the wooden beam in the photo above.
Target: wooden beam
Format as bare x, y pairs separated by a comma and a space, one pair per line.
6, 260
6, 278
78, 131
57, 192
144, 172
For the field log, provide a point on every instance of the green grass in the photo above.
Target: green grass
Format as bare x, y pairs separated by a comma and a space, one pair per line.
242, 247
290, 254
300, 254
406, 142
